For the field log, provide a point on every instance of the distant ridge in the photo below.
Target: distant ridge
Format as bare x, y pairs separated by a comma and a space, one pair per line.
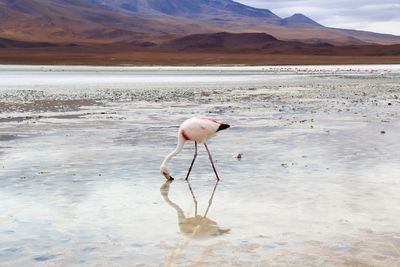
261, 43
4, 43
176, 31
189, 8
300, 20
158, 21
221, 41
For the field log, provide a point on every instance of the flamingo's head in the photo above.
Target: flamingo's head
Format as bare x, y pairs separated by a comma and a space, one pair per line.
165, 171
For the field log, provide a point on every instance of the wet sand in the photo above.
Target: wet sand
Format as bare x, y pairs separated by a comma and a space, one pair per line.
317, 184
120, 56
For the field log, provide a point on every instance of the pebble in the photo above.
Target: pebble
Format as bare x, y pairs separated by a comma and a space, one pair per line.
239, 156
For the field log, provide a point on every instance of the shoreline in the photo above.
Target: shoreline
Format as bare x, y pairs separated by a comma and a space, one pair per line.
229, 67
156, 59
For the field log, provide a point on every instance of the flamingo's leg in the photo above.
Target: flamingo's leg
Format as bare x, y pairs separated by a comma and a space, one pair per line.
194, 158
212, 163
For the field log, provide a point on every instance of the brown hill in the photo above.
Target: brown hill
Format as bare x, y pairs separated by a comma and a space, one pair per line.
261, 43
299, 20
81, 21
157, 21
222, 41
227, 15
5, 43
113, 32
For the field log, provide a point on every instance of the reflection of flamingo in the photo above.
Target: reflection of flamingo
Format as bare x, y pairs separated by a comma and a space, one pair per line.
198, 226
198, 130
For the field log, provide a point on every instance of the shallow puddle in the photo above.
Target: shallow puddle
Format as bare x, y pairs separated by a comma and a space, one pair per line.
317, 183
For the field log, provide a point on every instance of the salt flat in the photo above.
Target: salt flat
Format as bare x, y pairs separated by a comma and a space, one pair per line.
317, 185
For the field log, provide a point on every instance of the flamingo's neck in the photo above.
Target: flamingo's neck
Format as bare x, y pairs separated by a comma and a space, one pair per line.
177, 150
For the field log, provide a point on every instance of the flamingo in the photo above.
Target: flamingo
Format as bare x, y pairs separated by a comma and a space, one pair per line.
198, 130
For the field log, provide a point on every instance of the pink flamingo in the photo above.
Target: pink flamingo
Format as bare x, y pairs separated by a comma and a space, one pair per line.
198, 130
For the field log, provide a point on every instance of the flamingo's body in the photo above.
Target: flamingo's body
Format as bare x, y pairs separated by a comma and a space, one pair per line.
198, 130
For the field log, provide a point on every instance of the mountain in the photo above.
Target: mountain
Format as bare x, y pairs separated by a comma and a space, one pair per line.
86, 21
5, 43
370, 37
151, 24
227, 15
300, 20
222, 41
262, 43
192, 9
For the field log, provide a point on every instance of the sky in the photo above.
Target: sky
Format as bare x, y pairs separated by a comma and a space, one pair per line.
377, 16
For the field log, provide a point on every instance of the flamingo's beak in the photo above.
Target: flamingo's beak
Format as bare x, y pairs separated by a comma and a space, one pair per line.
167, 176
223, 126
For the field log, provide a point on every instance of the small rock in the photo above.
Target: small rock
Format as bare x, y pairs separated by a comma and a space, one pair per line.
239, 156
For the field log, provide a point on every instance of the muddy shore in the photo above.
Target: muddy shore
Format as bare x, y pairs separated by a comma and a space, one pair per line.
317, 184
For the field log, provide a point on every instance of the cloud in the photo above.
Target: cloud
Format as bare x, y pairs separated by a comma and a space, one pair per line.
382, 16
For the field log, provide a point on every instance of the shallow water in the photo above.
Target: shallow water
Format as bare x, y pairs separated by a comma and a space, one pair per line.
317, 184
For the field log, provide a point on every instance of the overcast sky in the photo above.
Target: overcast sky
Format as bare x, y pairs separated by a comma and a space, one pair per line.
377, 16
